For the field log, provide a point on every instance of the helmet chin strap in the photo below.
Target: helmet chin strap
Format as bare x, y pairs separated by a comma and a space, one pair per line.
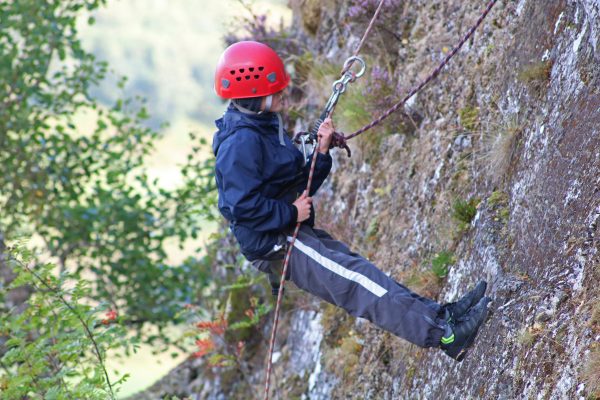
268, 105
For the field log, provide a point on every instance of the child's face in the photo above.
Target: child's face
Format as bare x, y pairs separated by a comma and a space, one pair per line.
278, 103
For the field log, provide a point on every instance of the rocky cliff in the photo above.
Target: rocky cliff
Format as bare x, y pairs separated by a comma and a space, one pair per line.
492, 172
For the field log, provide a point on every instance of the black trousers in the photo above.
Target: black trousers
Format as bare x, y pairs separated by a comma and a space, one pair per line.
328, 269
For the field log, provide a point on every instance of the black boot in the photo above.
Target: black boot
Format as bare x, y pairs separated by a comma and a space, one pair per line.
452, 311
461, 332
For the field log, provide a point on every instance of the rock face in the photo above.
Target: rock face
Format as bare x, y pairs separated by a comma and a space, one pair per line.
513, 122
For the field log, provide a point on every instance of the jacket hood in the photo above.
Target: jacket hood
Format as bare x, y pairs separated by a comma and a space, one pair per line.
233, 120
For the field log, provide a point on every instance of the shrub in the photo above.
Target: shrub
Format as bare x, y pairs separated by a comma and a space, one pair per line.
469, 117
463, 211
58, 343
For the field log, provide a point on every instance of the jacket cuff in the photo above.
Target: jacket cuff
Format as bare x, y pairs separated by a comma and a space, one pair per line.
323, 157
324, 161
294, 215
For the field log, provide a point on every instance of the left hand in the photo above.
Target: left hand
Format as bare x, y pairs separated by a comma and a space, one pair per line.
325, 134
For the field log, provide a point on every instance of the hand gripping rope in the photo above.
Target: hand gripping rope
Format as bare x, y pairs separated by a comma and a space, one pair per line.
339, 140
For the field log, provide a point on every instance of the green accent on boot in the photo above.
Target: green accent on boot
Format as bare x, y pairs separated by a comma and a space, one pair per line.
447, 340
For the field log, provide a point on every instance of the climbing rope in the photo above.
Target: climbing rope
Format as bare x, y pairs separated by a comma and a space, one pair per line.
364, 36
339, 140
428, 79
339, 87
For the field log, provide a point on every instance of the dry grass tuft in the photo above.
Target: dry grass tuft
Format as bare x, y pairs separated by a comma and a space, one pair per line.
595, 319
591, 374
499, 149
343, 360
536, 73
424, 282
528, 336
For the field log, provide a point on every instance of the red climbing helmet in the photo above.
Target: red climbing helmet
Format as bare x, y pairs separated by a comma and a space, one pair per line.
249, 69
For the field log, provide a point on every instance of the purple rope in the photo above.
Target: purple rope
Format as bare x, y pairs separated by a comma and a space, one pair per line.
429, 78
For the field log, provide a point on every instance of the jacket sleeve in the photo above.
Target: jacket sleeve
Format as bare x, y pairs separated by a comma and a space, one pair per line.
322, 168
240, 164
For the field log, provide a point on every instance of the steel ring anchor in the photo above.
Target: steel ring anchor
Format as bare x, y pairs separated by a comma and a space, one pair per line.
348, 76
351, 60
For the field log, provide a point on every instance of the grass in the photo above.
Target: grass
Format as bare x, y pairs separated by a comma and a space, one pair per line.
497, 198
500, 149
469, 117
441, 262
536, 76
528, 336
536, 72
344, 359
424, 282
591, 374
463, 212
336, 323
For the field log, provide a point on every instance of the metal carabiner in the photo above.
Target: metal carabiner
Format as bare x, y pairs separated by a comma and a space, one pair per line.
303, 142
338, 87
348, 76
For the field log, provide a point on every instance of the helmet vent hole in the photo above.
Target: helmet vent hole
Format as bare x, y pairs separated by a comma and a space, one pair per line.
256, 76
242, 70
247, 77
261, 68
251, 69
239, 78
232, 72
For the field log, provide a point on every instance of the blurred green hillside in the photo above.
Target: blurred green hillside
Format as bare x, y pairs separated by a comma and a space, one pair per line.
168, 50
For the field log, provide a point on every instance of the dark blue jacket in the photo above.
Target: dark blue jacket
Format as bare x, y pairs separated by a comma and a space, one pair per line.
258, 179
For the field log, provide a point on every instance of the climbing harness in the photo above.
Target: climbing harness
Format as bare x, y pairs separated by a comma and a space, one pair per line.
339, 140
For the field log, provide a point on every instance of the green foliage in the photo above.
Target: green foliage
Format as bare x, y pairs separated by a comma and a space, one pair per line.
441, 262
58, 344
497, 198
469, 117
463, 211
253, 318
498, 201
87, 194
536, 73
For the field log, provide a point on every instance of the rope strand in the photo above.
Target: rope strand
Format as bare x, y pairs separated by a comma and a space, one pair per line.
364, 36
430, 77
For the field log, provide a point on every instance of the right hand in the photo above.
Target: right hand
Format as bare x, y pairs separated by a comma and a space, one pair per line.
302, 204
